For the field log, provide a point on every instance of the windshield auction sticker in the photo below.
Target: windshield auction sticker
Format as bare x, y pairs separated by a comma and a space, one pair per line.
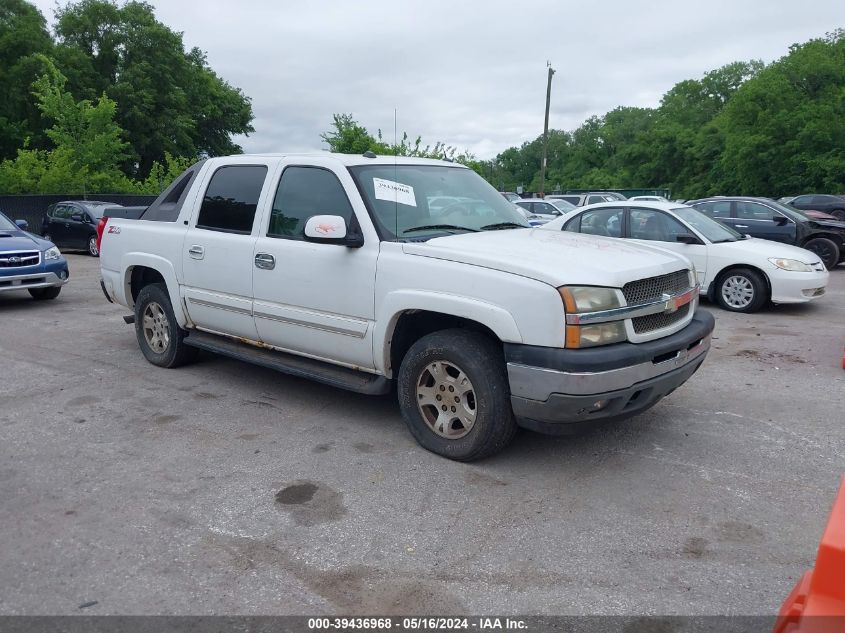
394, 192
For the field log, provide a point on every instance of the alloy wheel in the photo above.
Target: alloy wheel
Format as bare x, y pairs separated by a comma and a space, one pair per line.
446, 399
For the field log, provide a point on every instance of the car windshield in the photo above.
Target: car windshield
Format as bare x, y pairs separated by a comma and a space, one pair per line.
6, 224
562, 205
422, 201
714, 231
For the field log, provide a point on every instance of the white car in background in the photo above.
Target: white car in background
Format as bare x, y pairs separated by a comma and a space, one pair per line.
740, 273
649, 199
546, 210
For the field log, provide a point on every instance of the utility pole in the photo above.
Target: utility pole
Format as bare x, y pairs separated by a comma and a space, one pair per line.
546, 130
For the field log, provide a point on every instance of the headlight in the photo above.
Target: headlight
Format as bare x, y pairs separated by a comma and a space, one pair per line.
52, 253
791, 264
580, 299
589, 298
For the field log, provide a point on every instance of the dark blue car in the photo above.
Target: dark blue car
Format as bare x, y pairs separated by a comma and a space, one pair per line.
28, 262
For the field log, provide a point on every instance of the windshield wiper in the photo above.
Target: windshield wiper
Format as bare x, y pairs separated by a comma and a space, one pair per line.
504, 225
439, 227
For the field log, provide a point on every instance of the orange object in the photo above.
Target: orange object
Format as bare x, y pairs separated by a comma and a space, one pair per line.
817, 603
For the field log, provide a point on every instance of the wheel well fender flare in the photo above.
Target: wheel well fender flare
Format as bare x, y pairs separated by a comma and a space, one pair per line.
496, 319
131, 262
717, 279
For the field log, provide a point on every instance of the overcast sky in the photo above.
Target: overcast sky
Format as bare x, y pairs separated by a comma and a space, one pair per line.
472, 74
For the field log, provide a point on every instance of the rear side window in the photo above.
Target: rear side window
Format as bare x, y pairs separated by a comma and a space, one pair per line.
303, 192
605, 222
231, 199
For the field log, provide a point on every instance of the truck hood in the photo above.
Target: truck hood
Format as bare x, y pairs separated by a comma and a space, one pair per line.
553, 257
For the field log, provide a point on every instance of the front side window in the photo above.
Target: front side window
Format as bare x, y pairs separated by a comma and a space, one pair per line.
605, 222
649, 224
231, 199
715, 209
302, 193
753, 211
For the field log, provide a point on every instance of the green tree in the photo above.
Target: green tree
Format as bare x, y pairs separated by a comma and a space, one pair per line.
23, 36
169, 99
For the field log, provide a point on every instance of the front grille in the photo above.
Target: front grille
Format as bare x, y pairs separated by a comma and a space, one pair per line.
20, 259
652, 322
651, 289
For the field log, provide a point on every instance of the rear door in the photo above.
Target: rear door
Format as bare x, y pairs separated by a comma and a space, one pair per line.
217, 252
58, 228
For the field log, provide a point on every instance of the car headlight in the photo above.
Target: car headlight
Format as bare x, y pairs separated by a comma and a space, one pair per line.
52, 253
581, 299
791, 264
589, 298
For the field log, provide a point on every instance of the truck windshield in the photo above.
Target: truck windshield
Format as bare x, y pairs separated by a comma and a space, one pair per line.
422, 201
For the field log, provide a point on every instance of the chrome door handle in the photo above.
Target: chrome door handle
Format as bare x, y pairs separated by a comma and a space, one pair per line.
196, 252
741, 226
265, 261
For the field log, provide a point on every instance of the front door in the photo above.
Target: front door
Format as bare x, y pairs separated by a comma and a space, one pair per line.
314, 298
217, 253
758, 220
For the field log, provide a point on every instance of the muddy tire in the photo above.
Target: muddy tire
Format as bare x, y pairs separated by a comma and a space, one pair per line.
454, 395
159, 336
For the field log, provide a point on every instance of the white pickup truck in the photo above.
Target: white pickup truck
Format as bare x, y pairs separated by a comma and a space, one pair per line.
337, 268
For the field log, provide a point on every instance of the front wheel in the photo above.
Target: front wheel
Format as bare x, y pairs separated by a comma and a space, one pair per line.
45, 294
741, 290
93, 251
159, 336
826, 249
454, 394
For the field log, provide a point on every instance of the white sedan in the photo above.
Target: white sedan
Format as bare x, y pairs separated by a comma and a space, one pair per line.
741, 273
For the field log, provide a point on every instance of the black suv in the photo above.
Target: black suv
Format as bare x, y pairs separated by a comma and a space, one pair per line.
834, 205
770, 220
73, 224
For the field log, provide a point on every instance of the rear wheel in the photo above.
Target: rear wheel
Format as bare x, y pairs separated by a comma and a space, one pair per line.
826, 249
454, 395
93, 250
741, 290
159, 336
44, 294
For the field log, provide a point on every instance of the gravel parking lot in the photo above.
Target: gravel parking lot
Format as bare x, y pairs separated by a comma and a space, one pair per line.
226, 488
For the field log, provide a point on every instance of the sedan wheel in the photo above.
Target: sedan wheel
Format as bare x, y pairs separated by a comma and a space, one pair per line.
826, 249
741, 290
93, 251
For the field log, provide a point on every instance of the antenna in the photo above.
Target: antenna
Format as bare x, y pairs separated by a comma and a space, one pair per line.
395, 148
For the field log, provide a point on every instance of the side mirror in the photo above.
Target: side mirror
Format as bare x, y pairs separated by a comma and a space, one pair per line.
687, 238
331, 229
780, 220
23, 225
76, 217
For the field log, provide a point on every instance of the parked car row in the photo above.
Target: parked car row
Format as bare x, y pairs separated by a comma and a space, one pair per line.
738, 272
